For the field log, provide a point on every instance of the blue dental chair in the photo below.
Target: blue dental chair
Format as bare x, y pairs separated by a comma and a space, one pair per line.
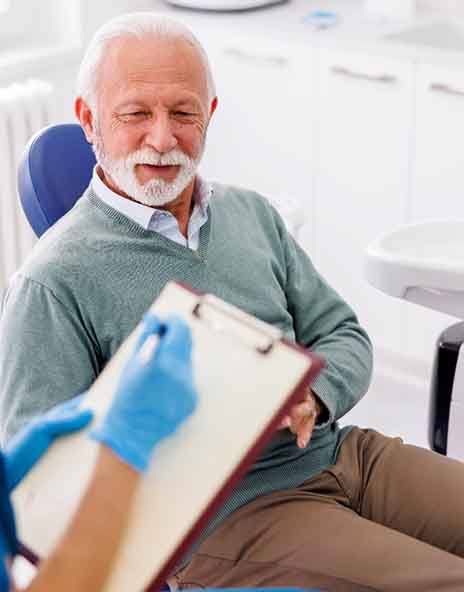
54, 172
55, 169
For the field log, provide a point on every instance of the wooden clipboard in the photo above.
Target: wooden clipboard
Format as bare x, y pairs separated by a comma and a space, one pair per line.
247, 378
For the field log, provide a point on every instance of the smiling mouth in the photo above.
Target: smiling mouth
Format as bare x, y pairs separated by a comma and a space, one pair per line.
164, 171
160, 167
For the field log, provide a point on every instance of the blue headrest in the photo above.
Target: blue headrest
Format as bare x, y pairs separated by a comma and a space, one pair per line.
55, 169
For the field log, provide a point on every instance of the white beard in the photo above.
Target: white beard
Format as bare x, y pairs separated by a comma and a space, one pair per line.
153, 193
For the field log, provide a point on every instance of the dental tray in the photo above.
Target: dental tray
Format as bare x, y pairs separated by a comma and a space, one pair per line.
421, 263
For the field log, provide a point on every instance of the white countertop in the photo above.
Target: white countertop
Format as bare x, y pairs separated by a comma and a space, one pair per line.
355, 30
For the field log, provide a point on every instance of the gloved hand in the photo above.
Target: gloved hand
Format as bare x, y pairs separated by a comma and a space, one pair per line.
27, 447
155, 393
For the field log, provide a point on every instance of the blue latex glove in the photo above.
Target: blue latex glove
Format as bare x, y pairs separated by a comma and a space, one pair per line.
27, 447
155, 393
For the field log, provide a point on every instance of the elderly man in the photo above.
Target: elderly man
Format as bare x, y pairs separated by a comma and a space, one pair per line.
344, 509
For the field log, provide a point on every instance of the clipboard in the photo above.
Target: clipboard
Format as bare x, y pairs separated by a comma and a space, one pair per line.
247, 378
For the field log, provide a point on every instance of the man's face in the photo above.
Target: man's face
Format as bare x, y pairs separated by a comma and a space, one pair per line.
152, 117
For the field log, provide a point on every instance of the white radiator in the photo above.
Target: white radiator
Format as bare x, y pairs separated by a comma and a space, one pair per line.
24, 109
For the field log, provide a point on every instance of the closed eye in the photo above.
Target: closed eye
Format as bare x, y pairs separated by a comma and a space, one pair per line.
133, 115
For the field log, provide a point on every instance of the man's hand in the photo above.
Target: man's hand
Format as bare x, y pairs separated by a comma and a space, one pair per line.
302, 419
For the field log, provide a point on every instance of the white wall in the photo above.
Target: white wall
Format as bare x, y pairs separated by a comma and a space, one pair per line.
449, 7
76, 21
93, 14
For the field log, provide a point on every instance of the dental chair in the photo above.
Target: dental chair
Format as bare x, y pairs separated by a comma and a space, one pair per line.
55, 169
54, 172
424, 263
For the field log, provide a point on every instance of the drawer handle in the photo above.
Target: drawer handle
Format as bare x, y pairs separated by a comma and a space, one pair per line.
382, 78
279, 61
446, 89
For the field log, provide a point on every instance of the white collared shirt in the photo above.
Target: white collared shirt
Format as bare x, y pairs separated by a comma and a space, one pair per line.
156, 220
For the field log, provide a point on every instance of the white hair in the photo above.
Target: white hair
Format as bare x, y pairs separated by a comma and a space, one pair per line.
137, 24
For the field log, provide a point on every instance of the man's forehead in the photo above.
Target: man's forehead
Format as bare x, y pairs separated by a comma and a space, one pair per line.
150, 57
137, 67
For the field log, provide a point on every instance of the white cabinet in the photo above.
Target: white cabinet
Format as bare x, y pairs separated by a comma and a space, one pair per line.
437, 178
261, 135
364, 131
438, 164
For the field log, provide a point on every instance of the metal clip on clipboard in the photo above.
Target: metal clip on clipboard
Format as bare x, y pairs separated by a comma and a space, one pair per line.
225, 318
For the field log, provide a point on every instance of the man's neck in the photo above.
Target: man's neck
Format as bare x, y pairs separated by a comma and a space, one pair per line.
181, 207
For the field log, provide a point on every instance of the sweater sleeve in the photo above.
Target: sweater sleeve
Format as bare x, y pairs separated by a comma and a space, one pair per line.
46, 355
324, 323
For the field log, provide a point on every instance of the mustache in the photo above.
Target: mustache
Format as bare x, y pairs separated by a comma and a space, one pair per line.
148, 156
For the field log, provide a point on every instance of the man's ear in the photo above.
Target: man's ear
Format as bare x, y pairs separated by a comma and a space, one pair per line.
85, 116
213, 106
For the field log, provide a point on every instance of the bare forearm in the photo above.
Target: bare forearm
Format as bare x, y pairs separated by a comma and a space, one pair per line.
82, 560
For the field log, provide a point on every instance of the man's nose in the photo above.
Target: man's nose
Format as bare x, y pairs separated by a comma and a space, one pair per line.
161, 136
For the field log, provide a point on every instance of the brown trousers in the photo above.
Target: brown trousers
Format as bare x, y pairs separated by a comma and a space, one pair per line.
386, 516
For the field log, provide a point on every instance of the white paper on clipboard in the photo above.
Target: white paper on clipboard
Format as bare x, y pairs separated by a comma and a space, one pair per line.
246, 376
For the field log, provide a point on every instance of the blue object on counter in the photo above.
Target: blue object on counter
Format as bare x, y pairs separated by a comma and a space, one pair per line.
321, 19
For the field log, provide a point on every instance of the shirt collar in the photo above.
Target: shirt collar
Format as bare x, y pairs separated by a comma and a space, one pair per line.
140, 213
202, 193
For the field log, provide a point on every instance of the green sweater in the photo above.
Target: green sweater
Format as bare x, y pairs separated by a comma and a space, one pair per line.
93, 275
